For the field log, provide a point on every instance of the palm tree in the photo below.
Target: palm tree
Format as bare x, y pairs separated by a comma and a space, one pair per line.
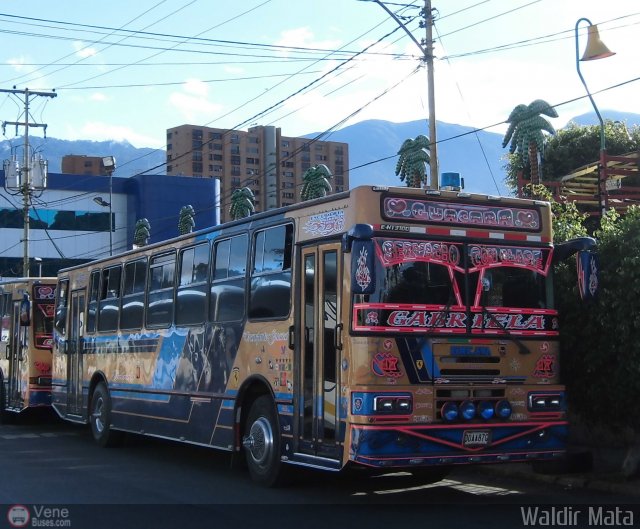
315, 182
186, 221
242, 203
525, 133
412, 164
142, 232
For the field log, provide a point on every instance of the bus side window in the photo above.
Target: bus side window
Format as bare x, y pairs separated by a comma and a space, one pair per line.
92, 305
191, 299
160, 296
109, 303
228, 279
270, 295
61, 306
131, 314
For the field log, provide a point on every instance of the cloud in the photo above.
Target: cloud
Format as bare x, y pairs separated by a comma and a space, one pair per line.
84, 51
98, 96
100, 131
193, 102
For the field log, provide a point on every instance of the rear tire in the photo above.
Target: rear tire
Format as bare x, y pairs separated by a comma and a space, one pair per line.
100, 418
261, 442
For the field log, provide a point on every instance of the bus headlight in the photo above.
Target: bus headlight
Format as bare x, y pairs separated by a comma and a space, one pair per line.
503, 409
449, 411
468, 410
485, 409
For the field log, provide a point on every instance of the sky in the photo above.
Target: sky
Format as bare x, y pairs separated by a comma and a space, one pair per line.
127, 70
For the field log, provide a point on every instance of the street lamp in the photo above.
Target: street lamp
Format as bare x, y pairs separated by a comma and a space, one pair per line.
594, 50
109, 166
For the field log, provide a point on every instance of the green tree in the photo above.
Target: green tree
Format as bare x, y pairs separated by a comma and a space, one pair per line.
413, 161
525, 134
142, 232
186, 221
242, 203
315, 182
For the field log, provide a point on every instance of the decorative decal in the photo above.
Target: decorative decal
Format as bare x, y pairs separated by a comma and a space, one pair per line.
393, 252
461, 214
545, 367
419, 364
386, 365
325, 223
482, 256
357, 404
363, 274
44, 292
385, 317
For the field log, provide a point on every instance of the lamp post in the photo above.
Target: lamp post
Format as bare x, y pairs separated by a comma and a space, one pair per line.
109, 166
594, 50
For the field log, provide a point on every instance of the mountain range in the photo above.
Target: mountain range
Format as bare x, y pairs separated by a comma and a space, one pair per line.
477, 155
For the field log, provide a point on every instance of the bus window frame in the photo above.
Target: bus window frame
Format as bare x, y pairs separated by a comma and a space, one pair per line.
171, 252
124, 297
105, 299
213, 282
289, 226
179, 287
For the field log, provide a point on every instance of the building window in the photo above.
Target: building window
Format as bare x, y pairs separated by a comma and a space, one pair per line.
288, 185
169, 135
287, 195
197, 156
215, 135
217, 146
169, 146
196, 167
235, 149
235, 170
235, 160
217, 168
196, 134
253, 161
196, 145
252, 139
235, 138
321, 158
285, 143
288, 174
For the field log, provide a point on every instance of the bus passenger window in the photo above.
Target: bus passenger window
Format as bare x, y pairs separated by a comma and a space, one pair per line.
227, 298
109, 304
135, 273
192, 289
160, 307
92, 305
271, 277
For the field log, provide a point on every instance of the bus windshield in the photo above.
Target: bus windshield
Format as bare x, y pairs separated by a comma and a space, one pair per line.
415, 279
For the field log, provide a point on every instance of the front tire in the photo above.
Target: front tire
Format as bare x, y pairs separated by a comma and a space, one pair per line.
100, 417
261, 442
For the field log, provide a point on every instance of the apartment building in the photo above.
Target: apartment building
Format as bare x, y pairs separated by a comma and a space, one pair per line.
82, 164
270, 164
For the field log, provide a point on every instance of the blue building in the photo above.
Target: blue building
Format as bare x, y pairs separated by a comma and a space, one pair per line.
69, 220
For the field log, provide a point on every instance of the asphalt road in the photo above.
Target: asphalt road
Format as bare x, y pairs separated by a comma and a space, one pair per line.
45, 463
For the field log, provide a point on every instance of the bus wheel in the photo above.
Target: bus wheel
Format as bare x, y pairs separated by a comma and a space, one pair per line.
261, 442
100, 417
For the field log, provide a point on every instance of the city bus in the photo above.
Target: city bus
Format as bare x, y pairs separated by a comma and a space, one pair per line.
379, 328
26, 311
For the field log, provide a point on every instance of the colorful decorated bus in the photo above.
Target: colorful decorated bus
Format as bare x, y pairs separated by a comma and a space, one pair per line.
382, 328
26, 309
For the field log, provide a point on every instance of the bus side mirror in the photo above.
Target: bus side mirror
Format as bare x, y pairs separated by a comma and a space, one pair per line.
25, 311
588, 267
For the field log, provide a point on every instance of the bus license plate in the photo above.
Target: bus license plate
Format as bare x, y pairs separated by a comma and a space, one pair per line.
474, 438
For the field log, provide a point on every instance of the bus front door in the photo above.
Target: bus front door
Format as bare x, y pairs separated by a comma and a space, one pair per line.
320, 340
74, 356
17, 349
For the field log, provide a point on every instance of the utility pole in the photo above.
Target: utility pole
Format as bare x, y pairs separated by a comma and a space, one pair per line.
426, 48
434, 181
25, 181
